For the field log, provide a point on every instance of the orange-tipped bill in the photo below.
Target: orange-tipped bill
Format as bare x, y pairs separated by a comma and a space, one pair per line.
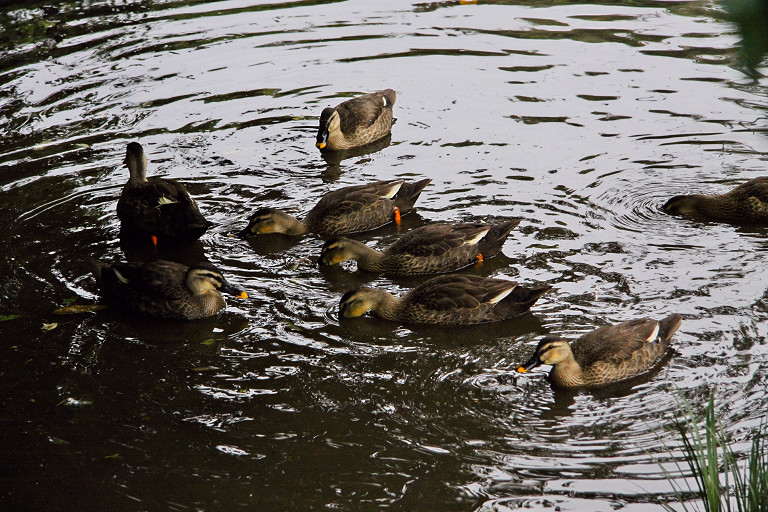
228, 288
530, 364
322, 139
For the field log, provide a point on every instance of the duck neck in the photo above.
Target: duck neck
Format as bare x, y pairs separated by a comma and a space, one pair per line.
367, 258
337, 140
567, 373
137, 167
212, 302
384, 304
293, 226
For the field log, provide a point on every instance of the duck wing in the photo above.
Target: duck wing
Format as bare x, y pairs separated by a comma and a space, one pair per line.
157, 279
437, 240
755, 188
161, 207
362, 112
617, 344
456, 292
356, 208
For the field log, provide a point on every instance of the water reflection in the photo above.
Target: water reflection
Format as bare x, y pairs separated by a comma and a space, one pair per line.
334, 158
580, 118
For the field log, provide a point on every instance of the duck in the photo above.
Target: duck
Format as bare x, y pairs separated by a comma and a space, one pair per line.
346, 210
431, 249
161, 208
356, 122
445, 300
745, 204
607, 355
164, 289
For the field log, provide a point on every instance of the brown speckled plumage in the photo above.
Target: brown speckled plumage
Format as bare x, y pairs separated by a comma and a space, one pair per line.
163, 289
431, 249
609, 354
745, 204
356, 122
346, 210
159, 207
446, 300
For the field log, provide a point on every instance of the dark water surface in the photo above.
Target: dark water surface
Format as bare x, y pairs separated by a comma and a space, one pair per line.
580, 118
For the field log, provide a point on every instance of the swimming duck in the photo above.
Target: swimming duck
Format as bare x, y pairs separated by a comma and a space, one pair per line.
745, 204
606, 355
446, 300
161, 207
164, 289
356, 122
346, 210
431, 249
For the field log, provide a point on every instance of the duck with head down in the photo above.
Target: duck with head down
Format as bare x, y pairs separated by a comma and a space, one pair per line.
607, 355
356, 122
431, 249
346, 210
745, 204
446, 300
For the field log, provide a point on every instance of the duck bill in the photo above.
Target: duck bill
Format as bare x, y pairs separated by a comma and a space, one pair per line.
322, 140
244, 233
532, 363
228, 288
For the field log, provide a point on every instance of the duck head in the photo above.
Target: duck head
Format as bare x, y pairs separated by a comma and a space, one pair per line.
271, 220
204, 278
551, 350
357, 302
329, 122
334, 251
136, 161
681, 205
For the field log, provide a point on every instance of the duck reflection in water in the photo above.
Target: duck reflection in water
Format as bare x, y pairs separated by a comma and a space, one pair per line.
334, 158
139, 247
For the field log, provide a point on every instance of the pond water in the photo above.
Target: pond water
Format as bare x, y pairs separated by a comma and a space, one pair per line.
579, 118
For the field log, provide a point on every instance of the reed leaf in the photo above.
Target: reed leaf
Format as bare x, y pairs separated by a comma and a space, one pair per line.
721, 482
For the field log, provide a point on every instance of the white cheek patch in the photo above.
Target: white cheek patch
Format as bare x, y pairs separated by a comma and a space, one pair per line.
384, 100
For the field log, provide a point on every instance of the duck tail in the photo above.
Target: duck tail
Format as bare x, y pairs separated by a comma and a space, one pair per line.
668, 326
493, 241
408, 194
522, 298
